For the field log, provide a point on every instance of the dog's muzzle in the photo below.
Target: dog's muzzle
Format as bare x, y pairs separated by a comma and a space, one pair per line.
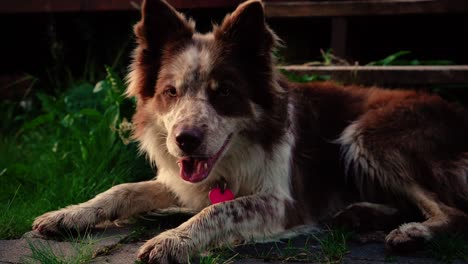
197, 168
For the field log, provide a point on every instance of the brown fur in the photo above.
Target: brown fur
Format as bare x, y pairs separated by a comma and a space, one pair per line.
297, 154
405, 147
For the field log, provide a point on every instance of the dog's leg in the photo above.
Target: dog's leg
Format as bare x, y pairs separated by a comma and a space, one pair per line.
381, 171
246, 217
440, 219
366, 216
119, 202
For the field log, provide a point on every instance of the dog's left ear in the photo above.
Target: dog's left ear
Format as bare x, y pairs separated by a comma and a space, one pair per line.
245, 30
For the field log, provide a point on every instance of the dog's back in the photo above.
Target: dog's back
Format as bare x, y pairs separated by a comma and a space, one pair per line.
373, 139
406, 149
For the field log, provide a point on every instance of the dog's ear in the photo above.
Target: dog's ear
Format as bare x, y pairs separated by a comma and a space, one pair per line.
159, 26
245, 30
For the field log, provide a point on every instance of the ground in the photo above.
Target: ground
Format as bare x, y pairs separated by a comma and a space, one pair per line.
112, 244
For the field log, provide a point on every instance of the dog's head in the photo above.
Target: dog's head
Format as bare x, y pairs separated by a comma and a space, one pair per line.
197, 92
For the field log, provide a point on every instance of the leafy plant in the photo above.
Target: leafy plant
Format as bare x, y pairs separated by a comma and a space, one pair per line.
396, 59
449, 247
293, 252
67, 153
305, 77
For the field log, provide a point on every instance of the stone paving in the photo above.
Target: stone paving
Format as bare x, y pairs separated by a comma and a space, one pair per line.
112, 244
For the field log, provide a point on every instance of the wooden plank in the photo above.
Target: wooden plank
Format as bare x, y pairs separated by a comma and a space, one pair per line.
339, 36
388, 75
40, 6
363, 8
44, 6
274, 8
184, 4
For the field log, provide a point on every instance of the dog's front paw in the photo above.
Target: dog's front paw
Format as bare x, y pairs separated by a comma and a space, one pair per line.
171, 246
408, 237
64, 220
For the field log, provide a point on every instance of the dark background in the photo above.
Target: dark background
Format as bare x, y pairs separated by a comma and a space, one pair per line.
55, 46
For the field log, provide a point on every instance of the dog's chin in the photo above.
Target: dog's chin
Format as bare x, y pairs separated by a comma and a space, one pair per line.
195, 169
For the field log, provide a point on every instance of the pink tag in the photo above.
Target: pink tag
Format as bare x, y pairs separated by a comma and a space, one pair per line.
217, 196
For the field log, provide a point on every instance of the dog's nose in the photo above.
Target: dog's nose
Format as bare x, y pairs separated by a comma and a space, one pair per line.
189, 139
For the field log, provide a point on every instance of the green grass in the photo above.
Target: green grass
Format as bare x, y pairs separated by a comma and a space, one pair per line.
84, 248
449, 247
390, 258
333, 245
64, 151
330, 246
81, 251
215, 259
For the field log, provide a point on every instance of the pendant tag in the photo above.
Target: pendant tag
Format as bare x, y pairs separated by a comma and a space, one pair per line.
217, 195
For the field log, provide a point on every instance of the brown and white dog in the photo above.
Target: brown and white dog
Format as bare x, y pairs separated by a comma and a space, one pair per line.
213, 111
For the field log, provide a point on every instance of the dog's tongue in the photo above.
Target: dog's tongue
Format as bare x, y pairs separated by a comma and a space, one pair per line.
194, 169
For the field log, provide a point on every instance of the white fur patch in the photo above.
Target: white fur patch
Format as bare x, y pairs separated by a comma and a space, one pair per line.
409, 231
191, 62
356, 159
133, 79
260, 172
245, 165
365, 168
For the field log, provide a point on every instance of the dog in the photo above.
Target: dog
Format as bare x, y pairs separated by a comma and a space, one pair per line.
257, 156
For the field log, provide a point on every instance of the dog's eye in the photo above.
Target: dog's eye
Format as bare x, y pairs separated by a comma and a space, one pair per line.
170, 91
224, 91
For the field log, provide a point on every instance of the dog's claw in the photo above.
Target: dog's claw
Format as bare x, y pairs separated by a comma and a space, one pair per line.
408, 237
167, 248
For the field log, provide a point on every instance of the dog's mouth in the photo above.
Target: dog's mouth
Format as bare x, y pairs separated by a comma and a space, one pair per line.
196, 169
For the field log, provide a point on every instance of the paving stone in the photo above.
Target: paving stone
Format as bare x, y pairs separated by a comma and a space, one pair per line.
124, 254
113, 248
18, 250
375, 253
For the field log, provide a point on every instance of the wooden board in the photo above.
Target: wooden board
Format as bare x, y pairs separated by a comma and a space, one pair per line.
388, 75
41, 6
274, 8
363, 8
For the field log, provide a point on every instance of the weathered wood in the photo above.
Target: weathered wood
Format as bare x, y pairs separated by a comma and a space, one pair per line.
40, 6
363, 7
274, 8
388, 75
339, 36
